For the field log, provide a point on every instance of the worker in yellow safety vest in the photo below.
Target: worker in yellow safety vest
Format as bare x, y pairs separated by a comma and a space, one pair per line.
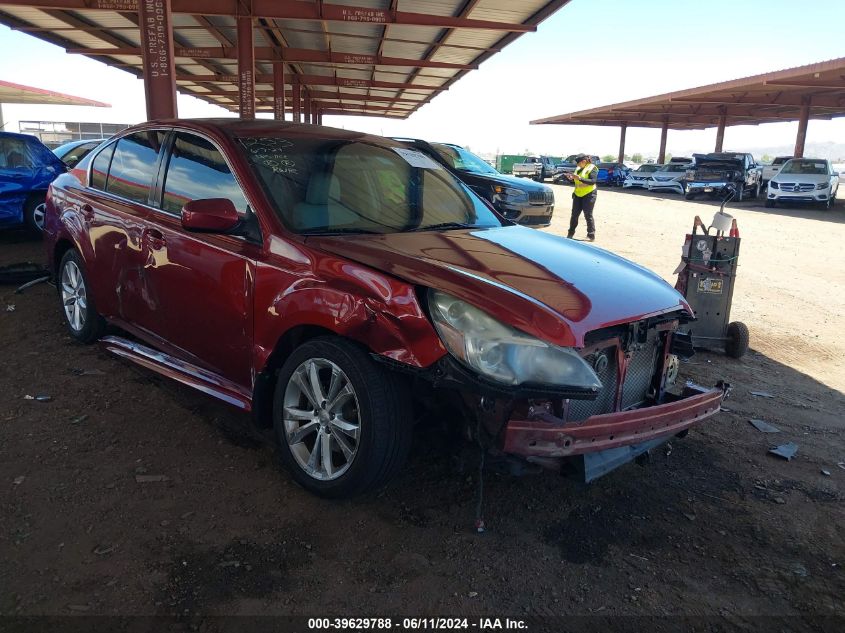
584, 197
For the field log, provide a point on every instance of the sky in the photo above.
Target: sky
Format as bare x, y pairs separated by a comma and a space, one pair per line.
590, 53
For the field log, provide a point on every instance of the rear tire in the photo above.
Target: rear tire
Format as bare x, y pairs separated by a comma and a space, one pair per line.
757, 191
346, 443
738, 338
78, 307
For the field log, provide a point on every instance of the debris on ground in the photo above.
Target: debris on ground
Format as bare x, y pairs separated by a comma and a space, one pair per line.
88, 372
762, 394
29, 284
79, 419
151, 479
787, 451
763, 426
38, 398
19, 480
10, 307
102, 550
826, 473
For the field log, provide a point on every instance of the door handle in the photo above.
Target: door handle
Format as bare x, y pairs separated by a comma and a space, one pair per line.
154, 238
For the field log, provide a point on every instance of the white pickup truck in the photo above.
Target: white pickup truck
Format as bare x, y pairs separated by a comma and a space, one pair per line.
770, 171
535, 167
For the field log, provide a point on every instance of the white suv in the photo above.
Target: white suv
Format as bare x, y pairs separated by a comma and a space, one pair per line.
804, 180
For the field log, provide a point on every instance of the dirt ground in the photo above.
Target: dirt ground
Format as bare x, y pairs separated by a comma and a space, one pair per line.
712, 526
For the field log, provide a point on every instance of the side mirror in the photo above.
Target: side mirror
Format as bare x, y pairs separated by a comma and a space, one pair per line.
212, 215
836, 173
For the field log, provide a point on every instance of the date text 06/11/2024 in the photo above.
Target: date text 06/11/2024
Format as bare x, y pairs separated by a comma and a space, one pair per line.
417, 624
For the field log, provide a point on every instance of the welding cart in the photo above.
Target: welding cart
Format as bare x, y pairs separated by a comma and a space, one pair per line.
706, 277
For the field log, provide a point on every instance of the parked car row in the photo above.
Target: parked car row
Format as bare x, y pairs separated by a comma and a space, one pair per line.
786, 180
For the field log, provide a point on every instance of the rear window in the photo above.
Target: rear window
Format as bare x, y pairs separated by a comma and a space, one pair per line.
339, 186
780, 160
134, 164
14, 154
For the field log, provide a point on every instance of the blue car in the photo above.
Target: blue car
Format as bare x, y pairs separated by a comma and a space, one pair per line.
27, 168
612, 174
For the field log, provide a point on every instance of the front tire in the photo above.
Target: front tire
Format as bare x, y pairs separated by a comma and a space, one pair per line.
770, 204
343, 421
78, 308
689, 196
740, 193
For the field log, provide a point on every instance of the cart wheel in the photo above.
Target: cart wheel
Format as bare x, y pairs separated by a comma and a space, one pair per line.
737, 343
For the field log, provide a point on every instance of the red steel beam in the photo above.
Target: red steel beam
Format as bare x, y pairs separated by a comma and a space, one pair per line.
156, 25
314, 80
661, 155
246, 69
316, 94
285, 10
306, 110
297, 103
720, 131
278, 92
268, 53
801, 137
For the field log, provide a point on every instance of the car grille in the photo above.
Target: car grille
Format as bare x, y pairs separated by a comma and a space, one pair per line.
535, 219
663, 179
792, 187
541, 197
642, 365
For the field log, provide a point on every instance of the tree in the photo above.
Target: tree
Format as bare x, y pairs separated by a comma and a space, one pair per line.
637, 158
609, 158
766, 158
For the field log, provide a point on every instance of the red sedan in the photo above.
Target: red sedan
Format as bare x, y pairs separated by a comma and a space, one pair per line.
331, 281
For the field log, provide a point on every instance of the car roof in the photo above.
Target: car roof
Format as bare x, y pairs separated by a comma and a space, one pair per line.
241, 128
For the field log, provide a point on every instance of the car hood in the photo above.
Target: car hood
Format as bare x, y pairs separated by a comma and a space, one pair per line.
550, 287
718, 163
808, 178
507, 181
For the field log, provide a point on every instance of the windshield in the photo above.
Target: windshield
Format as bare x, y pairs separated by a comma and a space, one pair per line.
322, 186
673, 168
648, 168
463, 160
803, 166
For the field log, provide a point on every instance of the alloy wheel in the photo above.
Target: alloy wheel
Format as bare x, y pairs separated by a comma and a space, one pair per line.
74, 296
322, 420
38, 216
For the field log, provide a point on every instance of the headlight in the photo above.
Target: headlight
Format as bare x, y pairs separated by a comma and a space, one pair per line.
690, 175
503, 353
510, 194
774, 185
823, 185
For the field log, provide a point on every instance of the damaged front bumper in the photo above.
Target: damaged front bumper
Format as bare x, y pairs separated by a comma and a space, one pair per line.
543, 437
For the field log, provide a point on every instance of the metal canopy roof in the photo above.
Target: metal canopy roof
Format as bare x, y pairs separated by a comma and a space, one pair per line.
361, 57
16, 93
767, 98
